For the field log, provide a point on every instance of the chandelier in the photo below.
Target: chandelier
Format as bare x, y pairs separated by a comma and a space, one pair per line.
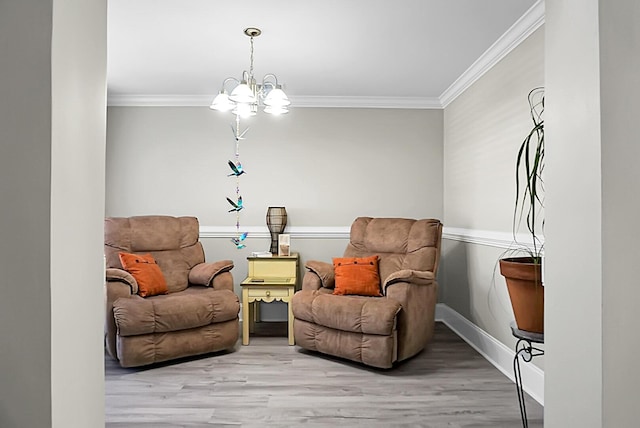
247, 95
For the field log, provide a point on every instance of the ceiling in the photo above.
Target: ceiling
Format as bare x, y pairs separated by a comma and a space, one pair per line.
412, 50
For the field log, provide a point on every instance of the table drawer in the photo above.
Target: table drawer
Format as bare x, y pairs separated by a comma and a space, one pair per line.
268, 292
273, 268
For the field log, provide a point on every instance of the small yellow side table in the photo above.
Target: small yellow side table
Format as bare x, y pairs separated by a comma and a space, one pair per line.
270, 279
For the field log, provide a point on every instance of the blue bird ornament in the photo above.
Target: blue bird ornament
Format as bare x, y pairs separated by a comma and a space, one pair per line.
239, 241
236, 206
236, 168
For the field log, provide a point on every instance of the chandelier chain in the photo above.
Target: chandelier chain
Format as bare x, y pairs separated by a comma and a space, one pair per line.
251, 64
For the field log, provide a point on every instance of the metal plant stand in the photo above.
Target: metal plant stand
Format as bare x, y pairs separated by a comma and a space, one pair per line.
526, 350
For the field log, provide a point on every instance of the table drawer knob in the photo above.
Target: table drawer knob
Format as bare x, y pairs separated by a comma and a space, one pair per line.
268, 293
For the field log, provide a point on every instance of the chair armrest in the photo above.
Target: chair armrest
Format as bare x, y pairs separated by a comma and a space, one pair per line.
407, 275
415, 321
204, 273
320, 274
114, 289
119, 275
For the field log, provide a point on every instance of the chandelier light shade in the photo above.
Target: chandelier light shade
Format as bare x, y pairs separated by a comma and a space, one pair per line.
247, 95
222, 102
276, 110
277, 98
276, 222
245, 110
242, 94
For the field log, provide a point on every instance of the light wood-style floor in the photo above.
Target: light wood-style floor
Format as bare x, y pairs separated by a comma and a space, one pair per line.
269, 383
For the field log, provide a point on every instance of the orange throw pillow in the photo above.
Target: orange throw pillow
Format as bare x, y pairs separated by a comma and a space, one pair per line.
357, 276
146, 272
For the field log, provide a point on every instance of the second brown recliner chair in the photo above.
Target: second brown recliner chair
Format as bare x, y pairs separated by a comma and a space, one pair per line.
376, 331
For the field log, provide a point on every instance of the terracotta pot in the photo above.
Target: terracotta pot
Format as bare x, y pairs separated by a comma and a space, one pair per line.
524, 282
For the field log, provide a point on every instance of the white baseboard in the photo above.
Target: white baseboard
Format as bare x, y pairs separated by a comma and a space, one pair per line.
493, 351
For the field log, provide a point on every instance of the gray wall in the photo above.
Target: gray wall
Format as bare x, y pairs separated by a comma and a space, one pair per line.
25, 188
593, 181
326, 166
52, 122
483, 129
620, 90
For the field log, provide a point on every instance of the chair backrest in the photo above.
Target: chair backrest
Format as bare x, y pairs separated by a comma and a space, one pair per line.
400, 243
172, 241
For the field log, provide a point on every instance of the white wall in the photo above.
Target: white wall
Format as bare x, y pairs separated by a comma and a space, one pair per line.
52, 122
78, 128
573, 295
326, 166
483, 129
593, 182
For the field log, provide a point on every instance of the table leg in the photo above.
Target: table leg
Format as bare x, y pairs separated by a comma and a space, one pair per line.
253, 307
292, 340
245, 317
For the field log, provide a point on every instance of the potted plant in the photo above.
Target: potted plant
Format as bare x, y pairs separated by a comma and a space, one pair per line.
523, 274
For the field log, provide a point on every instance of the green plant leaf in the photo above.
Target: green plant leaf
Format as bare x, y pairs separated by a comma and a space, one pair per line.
530, 164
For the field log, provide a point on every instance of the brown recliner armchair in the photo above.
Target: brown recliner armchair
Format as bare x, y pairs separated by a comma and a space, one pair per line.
198, 315
376, 331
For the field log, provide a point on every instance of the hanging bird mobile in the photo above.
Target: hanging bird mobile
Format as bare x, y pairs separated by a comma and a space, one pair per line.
236, 168
244, 100
236, 171
236, 134
237, 206
239, 242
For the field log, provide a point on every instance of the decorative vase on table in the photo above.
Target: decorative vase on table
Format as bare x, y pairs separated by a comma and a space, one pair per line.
276, 222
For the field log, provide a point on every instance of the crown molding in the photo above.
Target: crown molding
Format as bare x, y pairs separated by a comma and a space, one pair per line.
158, 100
516, 34
367, 102
140, 100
